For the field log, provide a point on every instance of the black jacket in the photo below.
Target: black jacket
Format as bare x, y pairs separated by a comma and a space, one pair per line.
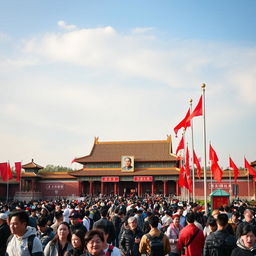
78, 226
219, 243
117, 222
74, 252
241, 250
127, 244
4, 234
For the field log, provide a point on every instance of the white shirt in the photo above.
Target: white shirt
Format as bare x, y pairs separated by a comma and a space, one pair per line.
115, 252
66, 215
86, 223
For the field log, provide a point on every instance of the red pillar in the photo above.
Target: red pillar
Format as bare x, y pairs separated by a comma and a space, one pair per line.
118, 188
165, 188
102, 188
152, 188
115, 188
177, 188
91, 187
139, 188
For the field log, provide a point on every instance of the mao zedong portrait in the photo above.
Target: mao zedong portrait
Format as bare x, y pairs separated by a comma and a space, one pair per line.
127, 164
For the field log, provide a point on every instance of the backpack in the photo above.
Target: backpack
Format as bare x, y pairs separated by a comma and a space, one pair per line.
156, 245
30, 242
110, 250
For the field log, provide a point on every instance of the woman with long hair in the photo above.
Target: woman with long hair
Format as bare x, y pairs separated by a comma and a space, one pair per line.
61, 243
94, 243
173, 232
78, 243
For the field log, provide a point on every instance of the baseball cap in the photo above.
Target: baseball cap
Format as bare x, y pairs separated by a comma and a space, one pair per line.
3, 216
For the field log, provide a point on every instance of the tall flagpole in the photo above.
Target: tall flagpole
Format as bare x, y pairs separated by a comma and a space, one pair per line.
204, 141
210, 171
186, 193
7, 189
192, 142
248, 186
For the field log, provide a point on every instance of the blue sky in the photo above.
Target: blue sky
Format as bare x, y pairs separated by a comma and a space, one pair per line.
124, 70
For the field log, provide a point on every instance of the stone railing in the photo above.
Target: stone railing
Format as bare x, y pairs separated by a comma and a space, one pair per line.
27, 196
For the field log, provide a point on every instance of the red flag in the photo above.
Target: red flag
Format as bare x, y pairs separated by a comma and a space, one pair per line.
18, 170
9, 171
198, 111
187, 163
215, 168
4, 171
189, 183
184, 123
249, 168
180, 146
186, 181
73, 161
212, 154
216, 171
181, 177
198, 166
234, 167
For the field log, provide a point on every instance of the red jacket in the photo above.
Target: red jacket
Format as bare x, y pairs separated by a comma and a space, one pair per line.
195, 248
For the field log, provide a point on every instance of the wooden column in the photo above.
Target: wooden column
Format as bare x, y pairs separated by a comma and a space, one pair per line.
118, 188
152, 188
139, 188
115, 189
177, 188
165, 187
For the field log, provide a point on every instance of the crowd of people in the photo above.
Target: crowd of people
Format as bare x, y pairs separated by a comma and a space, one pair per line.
127, 226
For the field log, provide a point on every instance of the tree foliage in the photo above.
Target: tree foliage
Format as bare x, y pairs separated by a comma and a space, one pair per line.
54, 168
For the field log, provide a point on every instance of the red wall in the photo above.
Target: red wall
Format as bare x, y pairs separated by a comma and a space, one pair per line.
242, 187
52, 188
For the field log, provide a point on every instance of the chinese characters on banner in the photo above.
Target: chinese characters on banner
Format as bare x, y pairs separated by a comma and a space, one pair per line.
143, 178
110, 179
55, 187
225, 186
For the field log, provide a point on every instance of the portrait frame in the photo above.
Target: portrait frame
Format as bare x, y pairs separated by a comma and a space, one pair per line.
124, 163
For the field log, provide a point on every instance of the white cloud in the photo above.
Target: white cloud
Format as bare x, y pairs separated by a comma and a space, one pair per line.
142, 30
4, 37
62, 24
72, 85
173, 63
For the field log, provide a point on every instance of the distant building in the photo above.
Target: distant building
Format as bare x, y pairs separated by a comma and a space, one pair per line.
155, 171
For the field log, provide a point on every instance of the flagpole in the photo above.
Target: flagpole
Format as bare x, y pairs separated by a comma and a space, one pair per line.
192, 142
188, 192
248, 185
204, 146
230, 186
210, 171
184, 155
7, 189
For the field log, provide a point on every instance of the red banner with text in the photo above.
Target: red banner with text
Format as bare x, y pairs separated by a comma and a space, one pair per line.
143, 178
110, 179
